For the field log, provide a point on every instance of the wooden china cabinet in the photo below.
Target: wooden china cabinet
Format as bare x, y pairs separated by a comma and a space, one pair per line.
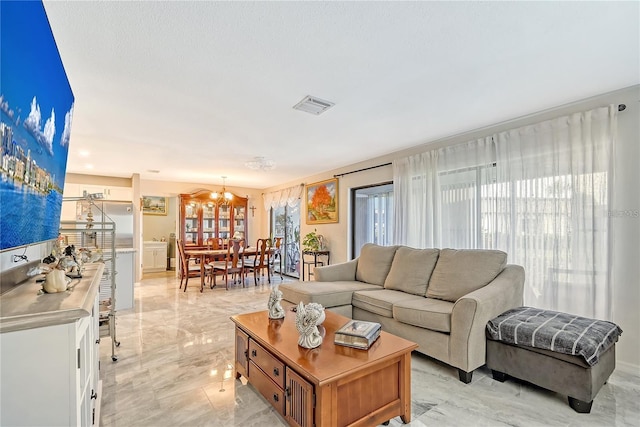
202, 218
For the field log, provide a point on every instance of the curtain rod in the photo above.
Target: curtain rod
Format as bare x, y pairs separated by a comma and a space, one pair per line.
360, 170
621, 107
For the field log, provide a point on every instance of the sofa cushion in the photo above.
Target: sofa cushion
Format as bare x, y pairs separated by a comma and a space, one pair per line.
374, 263
411, 269
424, 312
329, 294
379, 301
459, 272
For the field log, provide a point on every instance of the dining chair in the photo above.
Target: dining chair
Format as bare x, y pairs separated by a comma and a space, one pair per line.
212, 243
232, 263
187, 269
275, 256
260, 261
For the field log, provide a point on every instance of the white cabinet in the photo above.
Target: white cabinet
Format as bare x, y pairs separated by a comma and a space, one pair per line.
154, 257
119, 193
124, 279
109, 192
50, 374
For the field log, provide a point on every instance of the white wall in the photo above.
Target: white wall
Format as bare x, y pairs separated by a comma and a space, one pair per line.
155, 227
625, 222
32, 252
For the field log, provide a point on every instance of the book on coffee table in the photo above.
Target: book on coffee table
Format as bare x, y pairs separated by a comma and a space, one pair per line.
357, 334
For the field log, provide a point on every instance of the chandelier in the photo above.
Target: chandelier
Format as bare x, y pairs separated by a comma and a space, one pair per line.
223, 197
260, 163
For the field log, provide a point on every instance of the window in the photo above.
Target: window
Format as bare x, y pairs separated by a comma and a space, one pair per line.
466, 200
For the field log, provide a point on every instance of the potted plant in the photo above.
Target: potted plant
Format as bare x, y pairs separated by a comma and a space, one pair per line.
312, 242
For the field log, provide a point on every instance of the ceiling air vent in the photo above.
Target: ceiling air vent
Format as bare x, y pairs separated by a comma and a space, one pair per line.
313, 105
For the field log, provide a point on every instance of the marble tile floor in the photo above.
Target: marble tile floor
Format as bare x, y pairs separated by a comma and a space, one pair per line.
175, 368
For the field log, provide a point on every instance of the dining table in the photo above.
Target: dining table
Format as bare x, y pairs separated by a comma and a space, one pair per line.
202, 255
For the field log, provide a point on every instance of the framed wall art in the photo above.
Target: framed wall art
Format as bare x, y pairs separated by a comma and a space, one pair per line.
154, 205
322, 201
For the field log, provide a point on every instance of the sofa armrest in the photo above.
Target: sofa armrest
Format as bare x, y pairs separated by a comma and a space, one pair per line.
472, 312
336, 272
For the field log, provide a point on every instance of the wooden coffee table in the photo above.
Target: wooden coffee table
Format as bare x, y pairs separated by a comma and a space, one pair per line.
331, 385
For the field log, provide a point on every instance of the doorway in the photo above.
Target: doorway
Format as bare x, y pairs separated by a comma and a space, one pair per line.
285, 223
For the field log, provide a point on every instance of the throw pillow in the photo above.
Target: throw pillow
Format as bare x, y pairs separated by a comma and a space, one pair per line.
411, 270
374, 263
459, 272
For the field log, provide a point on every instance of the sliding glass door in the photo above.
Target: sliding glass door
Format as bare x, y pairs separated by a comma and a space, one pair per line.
285, 223
372, 216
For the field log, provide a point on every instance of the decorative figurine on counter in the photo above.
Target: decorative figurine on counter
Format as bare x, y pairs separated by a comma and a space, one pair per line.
49, 259
55, 281
69, 262
306, 323
90, 255
275, 308
59, 272
70, 251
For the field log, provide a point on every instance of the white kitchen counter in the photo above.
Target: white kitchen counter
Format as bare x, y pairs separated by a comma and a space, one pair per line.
22, 308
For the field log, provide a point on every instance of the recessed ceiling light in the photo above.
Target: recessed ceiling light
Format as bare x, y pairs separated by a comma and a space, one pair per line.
84, 153
88, 166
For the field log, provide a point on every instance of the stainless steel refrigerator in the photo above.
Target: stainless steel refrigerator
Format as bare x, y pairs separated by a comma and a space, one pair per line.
120, 213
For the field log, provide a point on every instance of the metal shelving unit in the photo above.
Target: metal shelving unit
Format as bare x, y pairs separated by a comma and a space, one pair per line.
99, 238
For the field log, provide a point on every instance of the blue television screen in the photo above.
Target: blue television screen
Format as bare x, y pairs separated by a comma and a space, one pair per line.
36, 105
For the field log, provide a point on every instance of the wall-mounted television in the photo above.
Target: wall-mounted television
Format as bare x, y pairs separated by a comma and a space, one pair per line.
36, 104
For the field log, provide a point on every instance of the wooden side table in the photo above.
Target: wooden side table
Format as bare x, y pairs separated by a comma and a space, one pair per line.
316, 262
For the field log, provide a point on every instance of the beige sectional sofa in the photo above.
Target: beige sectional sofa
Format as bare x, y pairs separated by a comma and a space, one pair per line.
440, 299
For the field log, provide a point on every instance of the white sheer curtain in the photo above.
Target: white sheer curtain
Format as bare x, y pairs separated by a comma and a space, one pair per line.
540, 193
556, 175
417, 210
435, 198
287, 196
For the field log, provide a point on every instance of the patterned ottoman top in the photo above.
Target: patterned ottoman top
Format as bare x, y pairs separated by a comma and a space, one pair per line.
555, 331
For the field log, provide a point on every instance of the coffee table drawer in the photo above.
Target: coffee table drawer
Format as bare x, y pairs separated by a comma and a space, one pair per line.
271, 366
266, 387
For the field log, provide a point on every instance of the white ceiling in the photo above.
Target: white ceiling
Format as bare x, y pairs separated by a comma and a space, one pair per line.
196, 89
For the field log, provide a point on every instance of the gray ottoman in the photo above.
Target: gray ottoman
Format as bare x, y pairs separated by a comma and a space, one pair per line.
567, 354
564, 374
